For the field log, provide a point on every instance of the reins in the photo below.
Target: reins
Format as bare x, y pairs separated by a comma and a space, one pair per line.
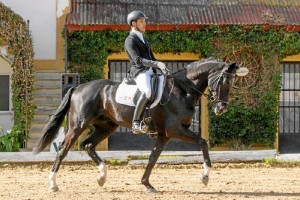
211, 98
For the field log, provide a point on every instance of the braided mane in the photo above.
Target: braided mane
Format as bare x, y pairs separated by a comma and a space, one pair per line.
197, 63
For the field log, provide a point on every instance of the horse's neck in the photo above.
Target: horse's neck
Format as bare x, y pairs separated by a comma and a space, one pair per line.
200, 82
194, 78
193, 86
198, 77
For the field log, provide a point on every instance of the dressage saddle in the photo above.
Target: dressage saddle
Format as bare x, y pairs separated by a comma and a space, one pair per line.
147, 115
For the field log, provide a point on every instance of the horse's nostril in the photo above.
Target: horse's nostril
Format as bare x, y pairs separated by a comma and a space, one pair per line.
220, 109
224, 109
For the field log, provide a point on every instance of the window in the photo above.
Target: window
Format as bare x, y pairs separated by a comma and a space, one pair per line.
289, 109
4, 93
290, 99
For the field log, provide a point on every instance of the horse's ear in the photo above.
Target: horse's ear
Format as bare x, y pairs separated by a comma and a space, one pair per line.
232, 67
225, 59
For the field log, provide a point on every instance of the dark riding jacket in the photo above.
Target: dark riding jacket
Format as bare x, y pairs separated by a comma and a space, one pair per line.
140, 54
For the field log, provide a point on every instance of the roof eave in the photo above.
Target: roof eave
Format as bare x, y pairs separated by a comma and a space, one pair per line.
166, 27
125, 27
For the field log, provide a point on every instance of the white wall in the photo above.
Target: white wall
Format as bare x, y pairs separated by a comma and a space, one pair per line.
42, 16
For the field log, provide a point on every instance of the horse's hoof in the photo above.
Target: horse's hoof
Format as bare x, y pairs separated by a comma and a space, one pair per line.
53, 189
101, 180
152, 190
205, 179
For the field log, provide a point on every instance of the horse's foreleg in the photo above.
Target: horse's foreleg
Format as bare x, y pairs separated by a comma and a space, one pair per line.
90, 143
206, 161
159, 146
186, 135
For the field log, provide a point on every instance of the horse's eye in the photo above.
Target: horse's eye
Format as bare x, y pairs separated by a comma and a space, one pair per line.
226, 81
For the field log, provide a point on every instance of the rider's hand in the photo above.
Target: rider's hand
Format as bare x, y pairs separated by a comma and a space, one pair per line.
161, 66
166, 71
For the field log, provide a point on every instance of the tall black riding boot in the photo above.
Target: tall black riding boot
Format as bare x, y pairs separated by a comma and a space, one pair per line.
137, 127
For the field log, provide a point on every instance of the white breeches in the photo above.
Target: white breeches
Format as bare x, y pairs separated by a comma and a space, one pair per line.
143, 81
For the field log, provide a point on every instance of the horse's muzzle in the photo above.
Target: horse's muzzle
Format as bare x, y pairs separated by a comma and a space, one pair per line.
220, 108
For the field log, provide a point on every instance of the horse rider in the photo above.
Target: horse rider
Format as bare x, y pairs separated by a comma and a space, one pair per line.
143, 65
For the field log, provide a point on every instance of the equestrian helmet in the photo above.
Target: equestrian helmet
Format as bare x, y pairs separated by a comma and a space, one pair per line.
135, 15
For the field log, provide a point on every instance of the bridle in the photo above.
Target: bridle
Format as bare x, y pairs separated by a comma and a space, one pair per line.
212, 98
215, 97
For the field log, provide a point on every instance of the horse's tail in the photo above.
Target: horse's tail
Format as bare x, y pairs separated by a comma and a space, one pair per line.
52, 127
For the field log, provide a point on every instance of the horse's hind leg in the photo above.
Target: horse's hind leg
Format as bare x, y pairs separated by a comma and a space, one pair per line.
68, 142
102, 131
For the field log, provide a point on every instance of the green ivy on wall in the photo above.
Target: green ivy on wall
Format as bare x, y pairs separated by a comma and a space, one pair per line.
15, 34
88, 51
253, 112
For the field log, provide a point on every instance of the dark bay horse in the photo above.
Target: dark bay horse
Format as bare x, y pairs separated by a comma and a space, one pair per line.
94, 103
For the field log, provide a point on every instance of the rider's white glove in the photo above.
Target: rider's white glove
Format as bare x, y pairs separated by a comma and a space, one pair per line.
161, 66
166, 71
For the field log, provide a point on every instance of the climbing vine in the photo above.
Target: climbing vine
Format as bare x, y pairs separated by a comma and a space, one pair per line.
14, 34
88, 51
253, 111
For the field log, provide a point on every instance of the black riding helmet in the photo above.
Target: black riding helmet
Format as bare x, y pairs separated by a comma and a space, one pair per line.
135, 15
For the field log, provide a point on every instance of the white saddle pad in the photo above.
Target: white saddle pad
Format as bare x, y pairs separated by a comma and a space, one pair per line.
125, 93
